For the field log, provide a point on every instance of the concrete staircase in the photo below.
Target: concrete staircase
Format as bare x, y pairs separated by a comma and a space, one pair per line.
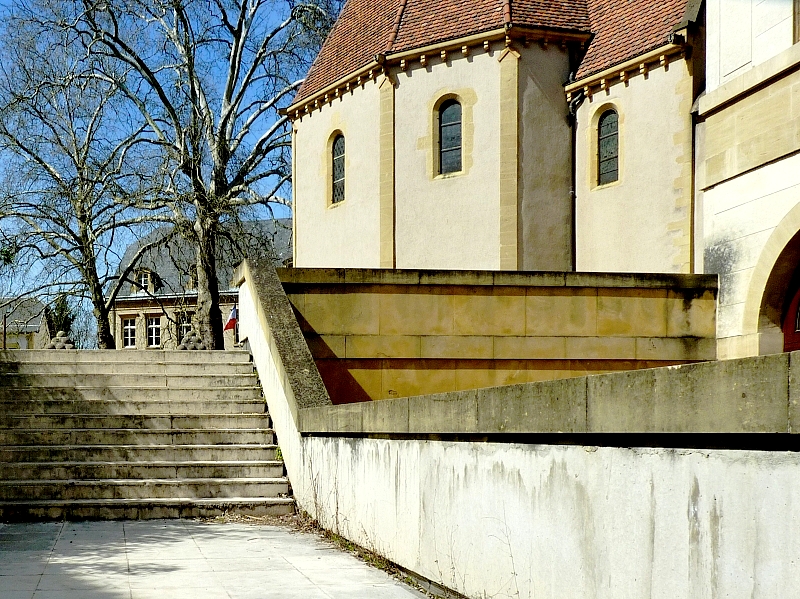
135, 434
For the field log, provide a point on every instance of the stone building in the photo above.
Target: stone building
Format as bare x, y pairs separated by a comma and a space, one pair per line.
156, 309
25, 324
579, 135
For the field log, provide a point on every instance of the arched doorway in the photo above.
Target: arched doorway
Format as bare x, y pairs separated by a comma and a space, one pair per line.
791, 323
770, 309
778, 322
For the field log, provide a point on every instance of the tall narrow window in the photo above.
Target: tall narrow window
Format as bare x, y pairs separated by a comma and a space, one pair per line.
608, 148
338, 169
450, 137
129, 332
154, 331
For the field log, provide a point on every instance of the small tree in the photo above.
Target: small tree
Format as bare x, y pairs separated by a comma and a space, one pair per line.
207, 78
60, 315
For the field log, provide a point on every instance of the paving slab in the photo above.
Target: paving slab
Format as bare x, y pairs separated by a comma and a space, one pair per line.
182, 558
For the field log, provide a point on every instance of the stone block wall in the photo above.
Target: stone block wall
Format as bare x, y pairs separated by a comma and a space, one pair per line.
386, 334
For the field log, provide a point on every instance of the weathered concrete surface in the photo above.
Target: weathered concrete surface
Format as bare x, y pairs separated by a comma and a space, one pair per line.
557, 521
750, 395
298, 366
508, 520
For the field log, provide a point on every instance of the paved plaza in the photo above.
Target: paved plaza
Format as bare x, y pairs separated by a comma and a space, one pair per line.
176, 559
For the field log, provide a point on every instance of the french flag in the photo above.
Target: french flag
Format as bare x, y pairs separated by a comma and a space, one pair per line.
231, 322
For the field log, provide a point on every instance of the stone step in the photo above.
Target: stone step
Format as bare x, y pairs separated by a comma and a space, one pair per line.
140, 470
100, 355
137, 453
135, 434
129, 393
141, 381
143, 509
44, 369
133, 421
127, 436
155, 488
99, 406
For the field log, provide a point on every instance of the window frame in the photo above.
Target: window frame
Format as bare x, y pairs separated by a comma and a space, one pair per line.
604, 113
446, 103
153, 323
183, 319
341, 182
140, 284
128, 340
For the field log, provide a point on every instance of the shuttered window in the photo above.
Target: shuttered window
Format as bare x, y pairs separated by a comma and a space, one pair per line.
450, 137
608, 148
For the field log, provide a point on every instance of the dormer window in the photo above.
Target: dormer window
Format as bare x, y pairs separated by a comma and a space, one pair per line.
144, 281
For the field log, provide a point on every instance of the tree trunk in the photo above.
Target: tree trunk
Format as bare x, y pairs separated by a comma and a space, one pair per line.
105, 338
209, 316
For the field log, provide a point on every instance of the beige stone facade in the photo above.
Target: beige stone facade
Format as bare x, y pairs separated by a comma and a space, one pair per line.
507, 208
165, 316
708, 161
748, 177
415, 332
650, 206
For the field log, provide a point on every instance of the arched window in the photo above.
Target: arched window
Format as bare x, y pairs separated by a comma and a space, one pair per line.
608, 148
450, 137
337, 156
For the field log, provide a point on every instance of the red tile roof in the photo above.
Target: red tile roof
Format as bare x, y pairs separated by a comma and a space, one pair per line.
362, 30
623, 29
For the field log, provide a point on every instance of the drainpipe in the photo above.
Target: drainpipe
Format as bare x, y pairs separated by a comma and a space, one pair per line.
5, 325
573, 121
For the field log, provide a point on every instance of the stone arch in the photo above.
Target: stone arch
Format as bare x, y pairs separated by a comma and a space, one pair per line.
775, 278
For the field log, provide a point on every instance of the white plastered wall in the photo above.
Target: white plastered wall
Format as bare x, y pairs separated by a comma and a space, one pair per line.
642, 222
450, 221
740, 216
345, 234
742, 34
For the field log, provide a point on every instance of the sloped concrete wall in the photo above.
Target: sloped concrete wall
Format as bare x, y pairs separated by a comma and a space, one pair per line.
490, 517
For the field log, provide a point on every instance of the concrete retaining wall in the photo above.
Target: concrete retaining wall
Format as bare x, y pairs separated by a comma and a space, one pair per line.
503, 519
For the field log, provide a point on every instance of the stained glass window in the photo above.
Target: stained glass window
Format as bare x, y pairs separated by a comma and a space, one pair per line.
450, 137
608, 148
338, 169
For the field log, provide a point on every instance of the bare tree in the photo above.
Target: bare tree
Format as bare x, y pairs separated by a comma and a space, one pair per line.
207, 78
74, 181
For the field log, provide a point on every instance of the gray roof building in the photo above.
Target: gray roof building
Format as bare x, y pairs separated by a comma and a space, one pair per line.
24, 315
173, 262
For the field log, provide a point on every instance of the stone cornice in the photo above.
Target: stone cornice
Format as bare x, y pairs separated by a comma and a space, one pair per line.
439, 52
621, 73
